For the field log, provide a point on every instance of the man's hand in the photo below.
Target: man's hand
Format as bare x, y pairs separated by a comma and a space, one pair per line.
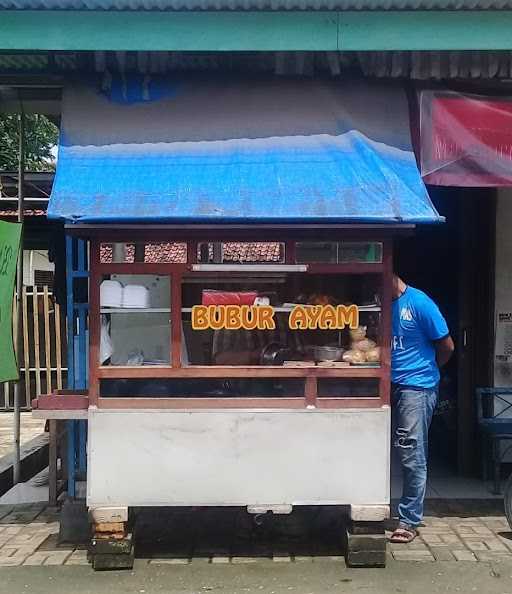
444, 350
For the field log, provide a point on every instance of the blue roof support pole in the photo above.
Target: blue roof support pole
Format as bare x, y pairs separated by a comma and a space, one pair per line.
70, 425
82, 375
70, 311
77, 314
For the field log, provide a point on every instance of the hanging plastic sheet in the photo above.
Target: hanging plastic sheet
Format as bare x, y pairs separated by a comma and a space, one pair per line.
465, 140
251, 150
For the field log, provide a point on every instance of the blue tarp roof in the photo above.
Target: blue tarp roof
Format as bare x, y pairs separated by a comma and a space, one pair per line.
237, 151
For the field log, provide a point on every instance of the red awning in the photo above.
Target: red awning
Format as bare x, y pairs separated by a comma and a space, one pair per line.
466, 140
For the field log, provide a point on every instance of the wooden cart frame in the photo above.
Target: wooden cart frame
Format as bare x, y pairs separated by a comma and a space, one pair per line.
192, 235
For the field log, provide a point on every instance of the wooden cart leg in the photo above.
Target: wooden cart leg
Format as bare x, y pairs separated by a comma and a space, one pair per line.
111, 544
52, 463
484, 453
496, 453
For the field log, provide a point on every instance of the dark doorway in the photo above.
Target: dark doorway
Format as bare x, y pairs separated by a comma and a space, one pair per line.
454, 264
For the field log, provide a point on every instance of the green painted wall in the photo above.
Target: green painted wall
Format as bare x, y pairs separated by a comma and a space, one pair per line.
426, 30
152, 31
256, 31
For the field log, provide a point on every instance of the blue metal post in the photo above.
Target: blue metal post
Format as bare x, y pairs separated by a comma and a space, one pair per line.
71, 361
83, 351
70, 313
77, 313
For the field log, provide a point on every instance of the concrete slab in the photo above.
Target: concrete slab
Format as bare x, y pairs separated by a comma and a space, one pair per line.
25, 493
29, 429
327, 578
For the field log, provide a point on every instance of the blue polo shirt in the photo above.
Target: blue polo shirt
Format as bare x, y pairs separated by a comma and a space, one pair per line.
416, 324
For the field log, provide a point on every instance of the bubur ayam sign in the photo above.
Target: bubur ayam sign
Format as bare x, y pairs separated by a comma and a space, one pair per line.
261, 317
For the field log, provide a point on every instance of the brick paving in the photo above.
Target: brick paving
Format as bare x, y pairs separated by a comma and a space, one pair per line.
448, 538
28, 536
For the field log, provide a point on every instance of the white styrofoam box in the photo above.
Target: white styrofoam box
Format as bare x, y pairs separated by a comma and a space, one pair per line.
158, 286
111, 293
136, 296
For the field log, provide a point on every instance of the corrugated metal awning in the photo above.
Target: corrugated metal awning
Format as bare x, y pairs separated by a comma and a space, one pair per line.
237, 151
162, 5
464, 65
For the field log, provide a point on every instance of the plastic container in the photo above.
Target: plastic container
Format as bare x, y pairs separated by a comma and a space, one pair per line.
111, 293
135, 296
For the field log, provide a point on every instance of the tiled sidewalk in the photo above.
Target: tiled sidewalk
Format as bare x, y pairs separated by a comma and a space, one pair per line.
28, 536
484, 538
466, 532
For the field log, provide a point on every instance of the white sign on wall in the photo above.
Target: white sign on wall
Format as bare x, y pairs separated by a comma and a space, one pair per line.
503, 345
503, 349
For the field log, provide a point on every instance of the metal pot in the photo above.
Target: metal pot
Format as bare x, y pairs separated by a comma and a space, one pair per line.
326, 353
274, 354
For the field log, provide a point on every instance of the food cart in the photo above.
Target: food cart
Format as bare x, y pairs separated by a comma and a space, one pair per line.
239, 312
261, 379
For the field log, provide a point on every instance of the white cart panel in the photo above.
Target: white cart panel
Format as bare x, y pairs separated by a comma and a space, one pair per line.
238, 457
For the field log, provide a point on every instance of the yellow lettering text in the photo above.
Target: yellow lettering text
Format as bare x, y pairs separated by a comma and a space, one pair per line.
348, 315
200, 317
266, 317
233, 321
328, 318
298, 319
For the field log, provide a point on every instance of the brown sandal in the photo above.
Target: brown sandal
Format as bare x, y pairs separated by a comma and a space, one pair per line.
403, 535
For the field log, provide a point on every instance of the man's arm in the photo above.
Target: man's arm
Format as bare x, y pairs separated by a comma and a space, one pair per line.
444, 350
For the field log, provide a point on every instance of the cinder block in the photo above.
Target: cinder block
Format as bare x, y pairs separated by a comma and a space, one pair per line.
365, 550
102, 515
111, 546
369, 513
366, 527
109, 527
122, 561
366, 542
366, 559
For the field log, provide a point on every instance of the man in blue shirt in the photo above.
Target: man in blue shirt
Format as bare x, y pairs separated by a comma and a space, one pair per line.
420, 345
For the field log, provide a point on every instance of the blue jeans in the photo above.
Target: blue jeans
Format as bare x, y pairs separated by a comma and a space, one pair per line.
412, 410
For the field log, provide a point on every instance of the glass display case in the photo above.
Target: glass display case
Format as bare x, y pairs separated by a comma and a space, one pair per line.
233, 321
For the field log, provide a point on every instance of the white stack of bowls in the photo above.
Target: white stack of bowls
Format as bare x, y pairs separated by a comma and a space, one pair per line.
111, 293
135, 296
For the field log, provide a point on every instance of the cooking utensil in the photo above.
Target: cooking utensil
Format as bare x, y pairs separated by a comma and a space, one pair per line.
325, 353
274, 353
